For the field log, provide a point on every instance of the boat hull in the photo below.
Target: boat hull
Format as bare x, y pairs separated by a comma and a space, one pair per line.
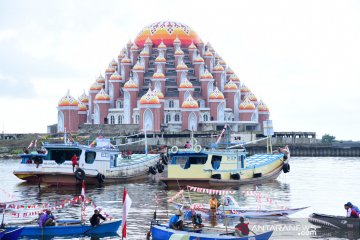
335, 222
104, 228
13, 234
160, 232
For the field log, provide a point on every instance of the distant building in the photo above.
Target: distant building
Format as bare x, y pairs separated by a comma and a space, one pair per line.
168, 79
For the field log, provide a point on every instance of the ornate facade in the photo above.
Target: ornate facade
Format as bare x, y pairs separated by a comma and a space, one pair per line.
167, 79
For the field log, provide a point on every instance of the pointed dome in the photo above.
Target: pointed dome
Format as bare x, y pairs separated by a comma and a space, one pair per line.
230, 86
181, 66
96, 87
122, 54
177, 40
84, 98
200, 41
130, 84
185, 84
113, 63
192, 46
229, 71
206, 75
179, 52
125, 60
218, 68
208, 54
160, 59
144, 53
138, 66
110, 69
158, 93
216, 94
198, 59
116, 76
148, 41
222, 62
162, 45
251, 97
234, 78
134, 47
82, 107
149, 98
244, 89
247, 104
68, 101
190, 103
102, 96
129, 43
262, 107
100, 79
158, 75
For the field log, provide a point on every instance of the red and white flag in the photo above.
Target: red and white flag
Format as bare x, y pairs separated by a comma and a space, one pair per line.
126, 207
83, 204
83, 191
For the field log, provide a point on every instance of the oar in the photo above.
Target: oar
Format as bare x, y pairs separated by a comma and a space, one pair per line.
92, 227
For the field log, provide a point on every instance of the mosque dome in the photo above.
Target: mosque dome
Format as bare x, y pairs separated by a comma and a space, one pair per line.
115, 76
234, 78
162, 45
251, 97
190, 103
113, 63
100, 79
134, 47
158, 93
129, 43
185, 84
216, 94
230, 86
96, 87
222, 62
138, 66
208, 54
179, 52
182, 66
192, 46
198, 59
247, 104
82, 107
206, 75
158, 75
149, 98
167, 31
125, 60
244, 89
218, 68
68, 101
110, 69
102, 96
84, 98
229, 71
160, 59
262, 107
144, 53
130, 84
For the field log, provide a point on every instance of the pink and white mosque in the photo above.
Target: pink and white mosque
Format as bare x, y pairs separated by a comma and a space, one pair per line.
167, 79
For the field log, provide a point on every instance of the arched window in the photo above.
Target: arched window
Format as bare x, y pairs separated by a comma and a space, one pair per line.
120, 104
137, 118
171, 104
112, 119
206, 118
177, 118
120, 119
168, 118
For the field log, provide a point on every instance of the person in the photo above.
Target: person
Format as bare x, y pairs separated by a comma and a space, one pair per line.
26, 150
354, 207
187, 145
74, 161
350, 212
197, 221
47, 219
242, 229
214, 204
95, 219
175, 222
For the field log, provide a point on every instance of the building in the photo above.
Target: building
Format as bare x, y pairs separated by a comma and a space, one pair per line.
166, 80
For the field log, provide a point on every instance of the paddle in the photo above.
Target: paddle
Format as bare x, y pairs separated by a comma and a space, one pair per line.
92, 227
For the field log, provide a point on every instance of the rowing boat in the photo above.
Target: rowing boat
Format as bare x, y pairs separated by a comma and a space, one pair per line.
11, 235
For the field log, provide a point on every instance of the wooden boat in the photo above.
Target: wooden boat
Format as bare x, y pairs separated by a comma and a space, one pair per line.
218, 168
97, 164
2, 233
335, 222
232, 210
162, 232
13, 234
110, 227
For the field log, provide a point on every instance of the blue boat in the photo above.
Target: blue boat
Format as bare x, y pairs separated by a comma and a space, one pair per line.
162, 232
12, 235
110, 227
2, 233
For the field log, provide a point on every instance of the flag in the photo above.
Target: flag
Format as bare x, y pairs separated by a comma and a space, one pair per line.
83, 204
126, 207
83, 191
220, 136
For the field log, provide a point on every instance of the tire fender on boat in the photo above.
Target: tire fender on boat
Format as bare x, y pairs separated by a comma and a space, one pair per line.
165, 160
286, 167
79, 174
152, 170
197, 148
174, 149
100, 177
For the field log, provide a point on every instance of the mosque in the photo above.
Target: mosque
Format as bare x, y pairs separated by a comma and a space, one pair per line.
166, 80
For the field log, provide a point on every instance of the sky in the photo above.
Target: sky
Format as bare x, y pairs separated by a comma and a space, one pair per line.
302, 58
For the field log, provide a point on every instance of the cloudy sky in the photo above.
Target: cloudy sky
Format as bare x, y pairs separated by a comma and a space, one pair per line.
301, 57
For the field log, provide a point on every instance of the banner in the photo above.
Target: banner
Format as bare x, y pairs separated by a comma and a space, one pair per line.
210, 191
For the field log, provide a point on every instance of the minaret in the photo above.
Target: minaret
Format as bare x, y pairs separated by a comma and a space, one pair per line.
101, 80
206, 79
218, 73
114, 64
201, 47
84, 100
134, 53
198, 66
131, 90
230, 91
138, 73
108, 72
160, 95
68, 118
162, 49
181, 71
264, 114
125, 68
149, 106
160, 59
158, 78
82, 113
144, 57
94, 89
247, 110
185, 89
101, 107
190, 114
244, 91
114, 88
208, 56
217, 105
148, 45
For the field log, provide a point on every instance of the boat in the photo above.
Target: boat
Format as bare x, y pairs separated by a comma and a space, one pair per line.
110, 227
97, 163
162, 232
335, 222
201, 167
2, 233
11, 234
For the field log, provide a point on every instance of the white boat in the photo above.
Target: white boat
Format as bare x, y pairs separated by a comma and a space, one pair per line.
96, 164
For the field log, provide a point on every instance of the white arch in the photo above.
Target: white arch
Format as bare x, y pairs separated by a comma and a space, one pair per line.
210, 88
186, 95
126, 108
111, 93
96, 114
148, 120
236, 106
192, 122
60, 125
220, 112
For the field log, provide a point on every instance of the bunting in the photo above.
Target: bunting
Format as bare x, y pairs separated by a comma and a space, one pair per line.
210, 191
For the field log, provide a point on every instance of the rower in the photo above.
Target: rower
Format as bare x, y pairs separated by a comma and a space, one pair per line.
354, 207
242, 229
175, 222
197, 221
350, 212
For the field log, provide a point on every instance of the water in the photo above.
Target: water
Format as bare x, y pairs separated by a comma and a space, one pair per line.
324, 184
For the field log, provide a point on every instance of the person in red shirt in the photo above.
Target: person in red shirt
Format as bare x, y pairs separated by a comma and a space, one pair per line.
74, 161
242, 229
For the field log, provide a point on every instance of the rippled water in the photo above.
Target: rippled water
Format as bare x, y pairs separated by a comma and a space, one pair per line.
324, 184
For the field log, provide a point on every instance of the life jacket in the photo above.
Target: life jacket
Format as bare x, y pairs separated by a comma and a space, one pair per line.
354, 214
213, 203
244, 228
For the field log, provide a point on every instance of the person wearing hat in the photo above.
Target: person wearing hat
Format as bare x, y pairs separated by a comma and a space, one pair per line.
174, 221
350, 212
95, 219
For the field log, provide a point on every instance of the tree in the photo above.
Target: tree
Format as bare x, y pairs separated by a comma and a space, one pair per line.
327, 138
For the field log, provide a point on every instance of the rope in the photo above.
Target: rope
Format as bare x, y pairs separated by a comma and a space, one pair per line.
130, 135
